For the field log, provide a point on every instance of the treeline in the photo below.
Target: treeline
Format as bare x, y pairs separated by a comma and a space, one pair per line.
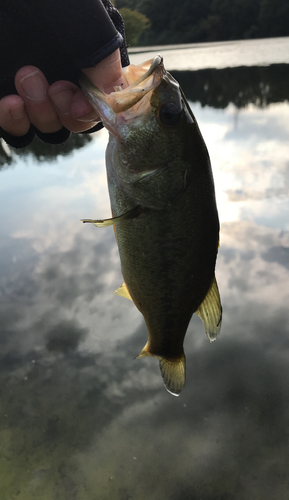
187, 21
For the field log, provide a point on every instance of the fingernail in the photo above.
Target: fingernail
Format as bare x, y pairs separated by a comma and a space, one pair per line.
17, 112
62, 100
34, 86
90, 117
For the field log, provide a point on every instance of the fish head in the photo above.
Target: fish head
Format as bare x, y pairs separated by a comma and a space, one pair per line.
151, 128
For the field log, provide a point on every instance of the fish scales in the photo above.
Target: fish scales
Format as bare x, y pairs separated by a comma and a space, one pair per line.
168, 260
163, 205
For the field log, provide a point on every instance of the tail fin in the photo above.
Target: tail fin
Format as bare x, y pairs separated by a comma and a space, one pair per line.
173, 371
174, 374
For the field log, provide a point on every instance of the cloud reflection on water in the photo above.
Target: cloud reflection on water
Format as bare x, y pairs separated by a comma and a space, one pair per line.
104, 427
250, 161
102, 421
80, 418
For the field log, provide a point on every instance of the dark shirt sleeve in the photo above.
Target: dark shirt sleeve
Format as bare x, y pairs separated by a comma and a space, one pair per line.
59, 37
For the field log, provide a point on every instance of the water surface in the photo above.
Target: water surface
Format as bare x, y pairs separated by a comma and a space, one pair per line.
219, 55
80, 418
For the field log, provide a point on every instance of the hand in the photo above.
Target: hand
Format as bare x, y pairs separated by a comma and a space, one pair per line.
49, 108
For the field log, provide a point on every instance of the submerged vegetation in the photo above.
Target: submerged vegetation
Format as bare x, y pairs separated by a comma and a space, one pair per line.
168, 21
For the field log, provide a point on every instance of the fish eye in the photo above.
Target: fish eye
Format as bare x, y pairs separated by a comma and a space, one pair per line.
169, 114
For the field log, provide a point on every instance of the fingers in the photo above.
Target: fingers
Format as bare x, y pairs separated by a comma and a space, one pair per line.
13, 117
49, 108
32, 87
73, 109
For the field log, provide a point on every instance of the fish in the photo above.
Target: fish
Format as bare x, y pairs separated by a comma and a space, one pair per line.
164, 210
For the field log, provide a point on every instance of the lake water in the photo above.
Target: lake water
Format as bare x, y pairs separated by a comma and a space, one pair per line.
233, 53
80, 418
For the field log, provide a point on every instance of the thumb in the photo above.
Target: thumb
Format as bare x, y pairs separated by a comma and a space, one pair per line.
107, 74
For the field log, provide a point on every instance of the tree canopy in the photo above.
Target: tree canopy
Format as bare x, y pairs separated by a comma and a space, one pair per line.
135, 24
209, 20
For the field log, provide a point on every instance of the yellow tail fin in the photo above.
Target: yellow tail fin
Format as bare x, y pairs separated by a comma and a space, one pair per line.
174, 374
173, 371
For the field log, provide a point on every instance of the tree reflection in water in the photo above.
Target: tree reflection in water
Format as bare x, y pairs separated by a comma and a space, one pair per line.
217, 88
41, 151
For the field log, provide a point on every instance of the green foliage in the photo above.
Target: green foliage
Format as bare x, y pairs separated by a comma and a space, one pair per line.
208, 20
273, 18
135, 24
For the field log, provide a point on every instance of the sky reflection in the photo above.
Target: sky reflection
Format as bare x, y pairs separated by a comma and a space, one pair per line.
218, 54
248, 150
80, 418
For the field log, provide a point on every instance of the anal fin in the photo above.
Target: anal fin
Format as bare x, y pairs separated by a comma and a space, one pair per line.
210, 311
123, 292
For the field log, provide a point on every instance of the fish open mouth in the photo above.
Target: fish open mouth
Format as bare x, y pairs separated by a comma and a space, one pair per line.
141, 78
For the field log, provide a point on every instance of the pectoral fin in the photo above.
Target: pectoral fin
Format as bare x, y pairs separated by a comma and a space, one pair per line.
123, 292
210, 311
131, 214
173, 370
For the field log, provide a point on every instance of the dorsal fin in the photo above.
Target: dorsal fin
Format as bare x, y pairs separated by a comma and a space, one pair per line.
210, 311
123, 292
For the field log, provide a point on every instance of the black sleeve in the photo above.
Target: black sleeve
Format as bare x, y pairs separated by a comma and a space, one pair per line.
59, 37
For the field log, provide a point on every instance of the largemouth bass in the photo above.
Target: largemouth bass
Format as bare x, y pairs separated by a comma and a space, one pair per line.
163, 210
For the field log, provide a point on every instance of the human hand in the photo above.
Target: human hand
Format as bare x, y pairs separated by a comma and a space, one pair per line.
62, 104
